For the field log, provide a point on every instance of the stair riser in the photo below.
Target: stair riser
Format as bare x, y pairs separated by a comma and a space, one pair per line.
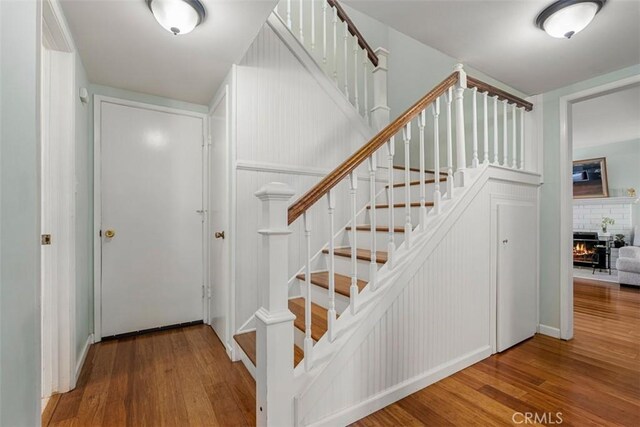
298, 337
343, 266
382, 216
399, 196
398, 175
320, 296
363, 239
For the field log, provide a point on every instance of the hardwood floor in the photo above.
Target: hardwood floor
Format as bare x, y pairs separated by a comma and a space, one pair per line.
592, 380
179, 377
183, 377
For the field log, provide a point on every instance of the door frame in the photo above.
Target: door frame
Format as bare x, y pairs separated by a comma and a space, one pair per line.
97, 195
566, 193
224, 95
58, 308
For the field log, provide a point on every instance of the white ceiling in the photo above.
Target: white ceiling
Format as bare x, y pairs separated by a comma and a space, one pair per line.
614, 117
122, 45
499, 38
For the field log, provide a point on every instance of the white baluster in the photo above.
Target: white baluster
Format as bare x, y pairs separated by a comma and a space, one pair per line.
408, 228
373, 265
335, 45
495, 130
514, 155
522, 111
331, 313
365, 79
474, 112
308, 341
289, 14
486, 128
353, 290
448, 100
324, 32
391, 246
422, 121
356, 99
436, 155
461, 163
313, 25
300, 30
505, 135
346, 59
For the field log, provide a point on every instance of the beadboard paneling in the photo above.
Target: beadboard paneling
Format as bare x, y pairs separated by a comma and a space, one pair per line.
284, 118
442, 320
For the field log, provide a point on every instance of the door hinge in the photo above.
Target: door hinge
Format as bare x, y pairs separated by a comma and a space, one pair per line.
202, 291
45, 239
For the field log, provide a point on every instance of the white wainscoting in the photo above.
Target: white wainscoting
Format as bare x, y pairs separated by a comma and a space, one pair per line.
442, 321
288, 128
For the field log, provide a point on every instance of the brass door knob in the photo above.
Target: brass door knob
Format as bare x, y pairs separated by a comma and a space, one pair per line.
219, 234
109, 233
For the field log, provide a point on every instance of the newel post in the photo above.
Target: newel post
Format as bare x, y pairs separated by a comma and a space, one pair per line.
461, 155
274, 321
380, 111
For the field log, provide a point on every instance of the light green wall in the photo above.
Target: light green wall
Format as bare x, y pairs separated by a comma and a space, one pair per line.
623, 167
19, 215
550, 194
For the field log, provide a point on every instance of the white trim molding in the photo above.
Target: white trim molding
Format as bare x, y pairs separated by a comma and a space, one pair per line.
566, 194
549, 331
83, 356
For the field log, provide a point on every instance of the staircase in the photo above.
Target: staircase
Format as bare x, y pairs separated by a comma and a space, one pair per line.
309, 323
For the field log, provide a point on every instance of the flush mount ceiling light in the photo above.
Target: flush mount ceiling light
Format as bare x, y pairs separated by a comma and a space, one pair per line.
177, 16
565, 18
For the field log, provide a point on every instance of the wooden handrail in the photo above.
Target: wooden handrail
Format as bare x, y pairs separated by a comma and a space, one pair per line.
342, 14
341, 172
501, 94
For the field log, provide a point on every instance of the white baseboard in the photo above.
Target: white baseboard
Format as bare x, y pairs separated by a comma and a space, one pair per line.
399, 391
549, 330
83, 356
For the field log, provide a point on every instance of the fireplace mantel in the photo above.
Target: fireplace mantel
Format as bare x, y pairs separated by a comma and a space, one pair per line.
607, 201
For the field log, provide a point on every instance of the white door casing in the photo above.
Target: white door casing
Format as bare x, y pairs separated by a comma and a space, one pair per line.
516, 273
57, 193
219, 216
149, 192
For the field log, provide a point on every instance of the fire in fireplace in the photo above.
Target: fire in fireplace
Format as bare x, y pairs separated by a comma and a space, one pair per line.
589, 250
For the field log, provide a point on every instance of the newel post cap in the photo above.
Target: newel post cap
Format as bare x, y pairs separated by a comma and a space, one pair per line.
383, 58
462, 80
275, 191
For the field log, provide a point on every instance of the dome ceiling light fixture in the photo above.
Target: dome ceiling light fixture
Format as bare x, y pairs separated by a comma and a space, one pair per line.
565, 18
177, 16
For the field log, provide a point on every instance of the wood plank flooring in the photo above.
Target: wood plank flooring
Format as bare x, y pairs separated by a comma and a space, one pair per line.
592, 380
183, 377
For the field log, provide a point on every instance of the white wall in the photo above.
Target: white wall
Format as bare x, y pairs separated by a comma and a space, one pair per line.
289, 130
19, 214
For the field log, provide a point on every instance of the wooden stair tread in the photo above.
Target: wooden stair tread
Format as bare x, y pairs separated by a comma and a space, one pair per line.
382, 229
318, 317
363, 254
342, 283
247, 342
402, 205
402, 184
418, 170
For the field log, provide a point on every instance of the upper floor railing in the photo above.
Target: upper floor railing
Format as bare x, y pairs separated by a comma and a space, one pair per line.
334, 41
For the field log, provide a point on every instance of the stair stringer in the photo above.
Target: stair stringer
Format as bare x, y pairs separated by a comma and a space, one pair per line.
412, 333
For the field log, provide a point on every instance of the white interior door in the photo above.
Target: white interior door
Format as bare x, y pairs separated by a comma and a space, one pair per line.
218, 207
517, 265
151, 200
